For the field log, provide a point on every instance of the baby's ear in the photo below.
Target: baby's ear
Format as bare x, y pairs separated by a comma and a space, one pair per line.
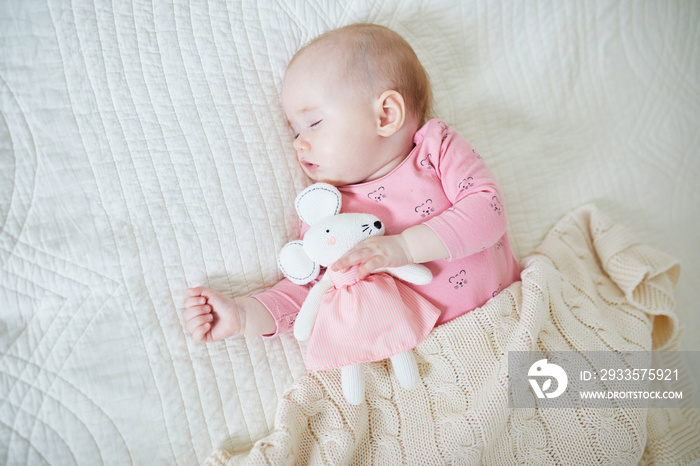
296, 265
318, 201
392, 113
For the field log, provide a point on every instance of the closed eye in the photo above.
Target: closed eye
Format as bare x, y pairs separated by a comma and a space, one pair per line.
296, 135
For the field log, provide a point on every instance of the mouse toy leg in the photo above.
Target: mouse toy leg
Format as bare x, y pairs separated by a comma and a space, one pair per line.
406, 369
353, 380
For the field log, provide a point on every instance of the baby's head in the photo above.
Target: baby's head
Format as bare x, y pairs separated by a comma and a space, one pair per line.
354, 98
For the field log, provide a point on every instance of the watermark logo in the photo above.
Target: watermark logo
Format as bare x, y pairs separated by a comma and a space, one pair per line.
545, 370
602, 379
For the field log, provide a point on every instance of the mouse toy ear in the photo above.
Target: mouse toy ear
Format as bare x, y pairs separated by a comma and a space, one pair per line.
318, 201
296, 265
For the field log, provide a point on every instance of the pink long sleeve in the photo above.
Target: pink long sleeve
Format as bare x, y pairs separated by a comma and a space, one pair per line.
283, 301
477, 219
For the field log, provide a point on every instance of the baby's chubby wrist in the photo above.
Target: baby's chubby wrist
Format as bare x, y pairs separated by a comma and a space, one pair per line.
255, 319
421, 244
404, 242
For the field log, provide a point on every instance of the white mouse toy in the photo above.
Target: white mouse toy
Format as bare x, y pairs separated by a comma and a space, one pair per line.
348, 321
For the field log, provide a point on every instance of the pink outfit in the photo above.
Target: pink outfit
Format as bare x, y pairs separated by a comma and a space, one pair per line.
367, 320
444, 184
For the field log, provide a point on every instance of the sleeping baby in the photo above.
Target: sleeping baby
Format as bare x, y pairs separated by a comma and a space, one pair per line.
358, 100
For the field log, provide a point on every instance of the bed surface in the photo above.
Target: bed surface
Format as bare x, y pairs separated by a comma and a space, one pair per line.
143, 150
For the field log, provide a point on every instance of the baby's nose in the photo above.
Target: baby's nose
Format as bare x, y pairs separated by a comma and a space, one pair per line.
301, 145
378, 225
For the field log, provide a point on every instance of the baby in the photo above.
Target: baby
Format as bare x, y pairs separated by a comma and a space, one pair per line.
358, 100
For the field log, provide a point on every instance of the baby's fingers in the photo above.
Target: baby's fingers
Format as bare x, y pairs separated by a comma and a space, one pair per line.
195, 311
370, 266
200, 334
355, 256
195, 301
199, 326
196, 291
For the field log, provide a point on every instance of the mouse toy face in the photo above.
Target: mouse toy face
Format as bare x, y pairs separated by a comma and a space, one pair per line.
328, 240
331, 234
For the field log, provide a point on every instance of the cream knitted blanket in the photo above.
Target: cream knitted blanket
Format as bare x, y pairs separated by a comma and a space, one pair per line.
589, 286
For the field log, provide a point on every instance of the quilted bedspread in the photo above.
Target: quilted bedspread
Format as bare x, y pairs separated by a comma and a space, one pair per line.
143, 150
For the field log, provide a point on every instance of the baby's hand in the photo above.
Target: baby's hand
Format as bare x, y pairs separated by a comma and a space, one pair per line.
211, 316
375, 253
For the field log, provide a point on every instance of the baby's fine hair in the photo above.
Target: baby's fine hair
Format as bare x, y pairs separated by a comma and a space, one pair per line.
380, 60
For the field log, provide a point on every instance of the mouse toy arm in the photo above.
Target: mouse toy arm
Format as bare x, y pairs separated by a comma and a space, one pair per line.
307, 315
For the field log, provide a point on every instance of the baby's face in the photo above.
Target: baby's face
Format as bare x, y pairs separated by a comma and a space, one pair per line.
334, 123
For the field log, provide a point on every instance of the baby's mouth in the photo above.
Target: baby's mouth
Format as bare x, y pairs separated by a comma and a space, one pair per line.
309, 166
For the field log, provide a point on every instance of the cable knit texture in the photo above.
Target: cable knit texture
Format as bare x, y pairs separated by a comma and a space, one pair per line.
589, 286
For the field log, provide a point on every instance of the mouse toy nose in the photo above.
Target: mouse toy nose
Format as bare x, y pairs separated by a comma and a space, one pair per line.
378, 225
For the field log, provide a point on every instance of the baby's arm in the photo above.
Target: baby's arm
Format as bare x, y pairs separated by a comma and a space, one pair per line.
468, 227
477, 218
416, 244
211, 316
